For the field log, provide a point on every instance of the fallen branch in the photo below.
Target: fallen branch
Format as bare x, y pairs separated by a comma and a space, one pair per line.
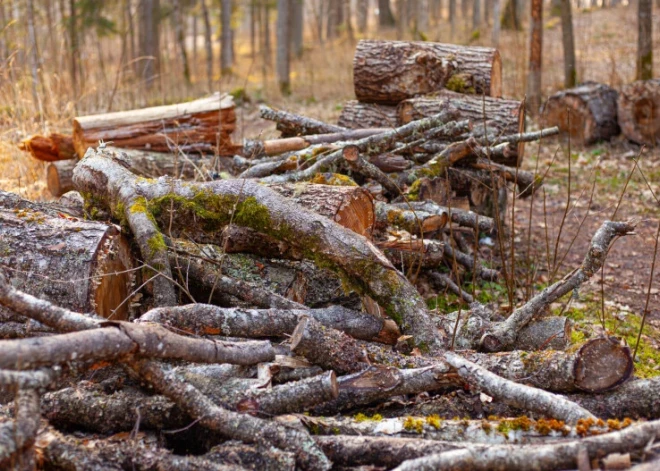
290, 124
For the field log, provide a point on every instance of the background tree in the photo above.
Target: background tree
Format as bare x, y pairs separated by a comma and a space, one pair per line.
149, 19
283, 45
535, 58
570, 72
362, 14
645, 40
208, 44
297, 25
385, 16
226, 59
179, 27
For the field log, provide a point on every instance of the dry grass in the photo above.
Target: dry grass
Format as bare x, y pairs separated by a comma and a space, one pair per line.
321, 81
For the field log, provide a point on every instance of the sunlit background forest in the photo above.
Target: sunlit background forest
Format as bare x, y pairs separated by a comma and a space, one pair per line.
66, 58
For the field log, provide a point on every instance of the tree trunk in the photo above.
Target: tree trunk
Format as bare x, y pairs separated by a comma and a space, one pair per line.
196, 126
298, 26
510, 18
588, 112
638, 109
81, 265
403, 18
452, 18
284, 45
267, 53
149, 12
385, 16
35, 59
73, 44
357, 115
570, 71
476, 15
535, 59
362, 13
497, 22
390, 71
645, 40
179, 23
226, 59
208, 44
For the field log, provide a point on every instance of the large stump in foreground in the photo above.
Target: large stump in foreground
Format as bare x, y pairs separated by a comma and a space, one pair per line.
588, 112
79, 265
639, 111
200, 126
390, 71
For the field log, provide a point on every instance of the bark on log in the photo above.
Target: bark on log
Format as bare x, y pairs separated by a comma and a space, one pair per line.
361, 166
49, 148
502, 117
327, 347
358, 115
19, 434
413, 221
540, 457
458, 216
391, 71
290, 124
204, 319
250, 204
255, 457
588, 113
202, 126
638, 109
254, 148
59, 176
410, 253
502, 336
80, 265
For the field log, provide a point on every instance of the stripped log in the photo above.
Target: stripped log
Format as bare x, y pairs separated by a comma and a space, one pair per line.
638, 110
80, 265
587, 113
358, 115
202, 126
291, 124
49, 148
391, 71
204, 319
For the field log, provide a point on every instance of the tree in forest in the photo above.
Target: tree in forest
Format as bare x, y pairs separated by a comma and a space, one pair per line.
208, 45
385, 16
226, 59
297, 26
535, 58
570, 73
362, 14
149, 19
645, 39
510, 18
283, 62
180, 38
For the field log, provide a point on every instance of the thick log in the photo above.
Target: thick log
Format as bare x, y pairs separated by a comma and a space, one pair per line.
80, 265
358, 115
202, 126
391, 71
49, 148
349, 206
638, 110
204, 319
59, 176
587, 113
327, 347
291, 124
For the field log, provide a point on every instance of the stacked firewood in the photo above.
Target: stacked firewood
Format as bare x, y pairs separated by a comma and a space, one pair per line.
267, 322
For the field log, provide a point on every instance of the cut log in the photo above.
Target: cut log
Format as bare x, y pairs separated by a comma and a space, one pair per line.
59, 176
202, 126
587, 113
290, 124
80, 265
358, 115
49, 148
390, 71
638, 108
349, 206
502, 117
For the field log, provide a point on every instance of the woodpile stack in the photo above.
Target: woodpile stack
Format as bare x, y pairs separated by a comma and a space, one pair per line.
272, 320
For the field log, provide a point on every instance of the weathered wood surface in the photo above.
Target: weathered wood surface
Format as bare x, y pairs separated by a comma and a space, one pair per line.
202, 126
291, 124
638, 109
49, 148
390, 71
357, 115
76, 264
587, 112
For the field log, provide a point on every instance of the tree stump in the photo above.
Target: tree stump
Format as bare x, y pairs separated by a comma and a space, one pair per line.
49, 148
588, 113
639, 111
59, 176
79, 265
390, 71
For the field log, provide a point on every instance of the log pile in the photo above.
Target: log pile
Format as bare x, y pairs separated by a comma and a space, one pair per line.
273, 318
